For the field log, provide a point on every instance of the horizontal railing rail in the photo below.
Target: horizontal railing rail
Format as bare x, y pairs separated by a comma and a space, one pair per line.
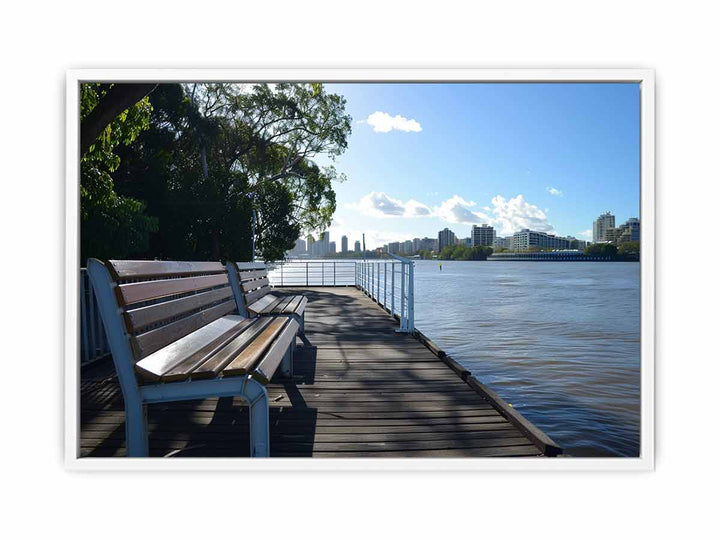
312, 273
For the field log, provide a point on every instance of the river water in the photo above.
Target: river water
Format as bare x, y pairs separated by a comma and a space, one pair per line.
559, 341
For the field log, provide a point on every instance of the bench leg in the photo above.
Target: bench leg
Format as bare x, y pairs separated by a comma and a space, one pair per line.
136, 432
286, 367
259, 419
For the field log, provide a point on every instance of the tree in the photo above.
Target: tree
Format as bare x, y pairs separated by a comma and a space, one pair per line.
216, 153
601, 250
111, 225
629, 248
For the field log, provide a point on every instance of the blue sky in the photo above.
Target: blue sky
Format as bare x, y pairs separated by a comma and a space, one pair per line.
544, 156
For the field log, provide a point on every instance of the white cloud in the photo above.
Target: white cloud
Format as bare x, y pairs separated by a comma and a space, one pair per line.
554, 191
457, 210
379, 204
506, 215
586, 234
382, 122
512, 215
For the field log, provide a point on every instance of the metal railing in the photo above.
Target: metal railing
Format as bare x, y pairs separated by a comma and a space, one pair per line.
391, 283
93, 343
312, 273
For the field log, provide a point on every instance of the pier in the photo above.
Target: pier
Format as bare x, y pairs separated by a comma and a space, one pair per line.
365, 384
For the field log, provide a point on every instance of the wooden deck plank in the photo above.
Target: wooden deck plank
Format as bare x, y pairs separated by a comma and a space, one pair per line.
359, 390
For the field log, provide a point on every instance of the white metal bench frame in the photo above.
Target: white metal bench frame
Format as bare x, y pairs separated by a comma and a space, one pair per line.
137, 397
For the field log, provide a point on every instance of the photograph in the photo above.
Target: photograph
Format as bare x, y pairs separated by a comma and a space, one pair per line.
346, 268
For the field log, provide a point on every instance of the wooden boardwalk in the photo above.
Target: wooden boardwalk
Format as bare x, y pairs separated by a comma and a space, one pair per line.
359, 390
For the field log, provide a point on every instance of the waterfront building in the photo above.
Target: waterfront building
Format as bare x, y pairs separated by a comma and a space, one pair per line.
407, 246
321, 247
446, 238
428, 244
344, 244
601, 225
483, 235
394, 247
357, 246
331, 247
503, 242
465, 242
416, 245
527, 239
310, 246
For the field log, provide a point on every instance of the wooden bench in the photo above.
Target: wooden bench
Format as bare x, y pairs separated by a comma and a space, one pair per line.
175, 335
252, 289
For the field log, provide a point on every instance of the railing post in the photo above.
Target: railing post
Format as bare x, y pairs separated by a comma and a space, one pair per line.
322, 273
282, 282
334, 282
307, 279
411, 297
402, 296
392, 281
385, 285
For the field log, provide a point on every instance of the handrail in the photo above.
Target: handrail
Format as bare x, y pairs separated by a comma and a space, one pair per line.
374, 282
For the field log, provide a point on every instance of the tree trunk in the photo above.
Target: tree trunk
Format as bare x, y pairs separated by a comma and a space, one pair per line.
118, 98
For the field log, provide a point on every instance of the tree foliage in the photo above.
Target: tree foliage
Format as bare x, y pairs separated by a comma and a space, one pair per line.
629, 248
216, 155
601, 250
465, 253
112, 225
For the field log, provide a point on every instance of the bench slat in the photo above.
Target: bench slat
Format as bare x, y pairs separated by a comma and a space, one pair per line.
215, 364
150, 269
245, 361
251, 297
156, 339
254, 284
270, 362
132, 293
204, 340
266, 302
145, 316
292, 305
247, 275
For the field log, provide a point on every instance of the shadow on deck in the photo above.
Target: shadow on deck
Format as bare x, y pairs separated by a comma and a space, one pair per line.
359, 390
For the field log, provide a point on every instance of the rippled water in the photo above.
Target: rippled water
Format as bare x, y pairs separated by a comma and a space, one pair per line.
560, 341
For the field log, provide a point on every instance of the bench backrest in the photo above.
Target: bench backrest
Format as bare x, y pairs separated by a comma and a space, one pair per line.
159, 302
252, 282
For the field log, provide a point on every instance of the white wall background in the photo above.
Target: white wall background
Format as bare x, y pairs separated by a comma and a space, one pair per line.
38, 43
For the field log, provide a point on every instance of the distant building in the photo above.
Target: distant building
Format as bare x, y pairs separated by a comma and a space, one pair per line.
415, 245
407, 246
503, 242
465, 242
321, 247
344, 244
526, 239
331, 247
482, 236
601, 225
310, 246
446, 238
357, 246
427, 244
299, 248
627, 232
394, 247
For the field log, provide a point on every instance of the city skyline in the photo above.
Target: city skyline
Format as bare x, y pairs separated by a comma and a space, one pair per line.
548, 157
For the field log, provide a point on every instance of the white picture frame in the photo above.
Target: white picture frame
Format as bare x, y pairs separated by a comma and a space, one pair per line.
644, 77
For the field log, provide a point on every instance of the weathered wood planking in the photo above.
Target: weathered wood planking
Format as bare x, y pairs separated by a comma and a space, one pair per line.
359, 390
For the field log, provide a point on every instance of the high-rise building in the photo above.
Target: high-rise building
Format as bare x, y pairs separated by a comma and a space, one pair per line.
357, 246
311, 246
483, 235
321, 247
344, 244
331, 247
526, 239
299, 248
407, 246
503, 242
627, 232
427, 244
601, 225
394, 247
446, 238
